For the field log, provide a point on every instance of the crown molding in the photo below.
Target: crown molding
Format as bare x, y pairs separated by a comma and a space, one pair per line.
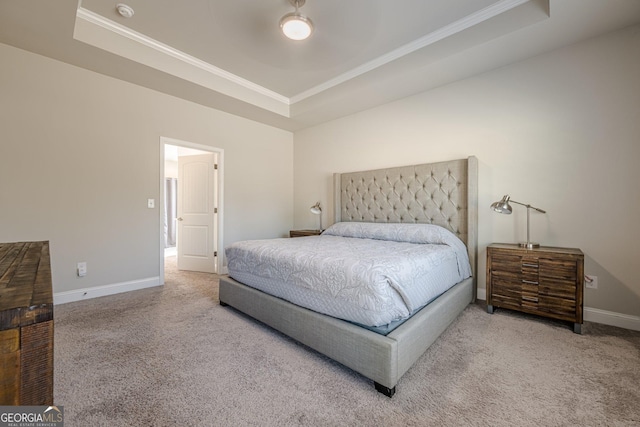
89, 34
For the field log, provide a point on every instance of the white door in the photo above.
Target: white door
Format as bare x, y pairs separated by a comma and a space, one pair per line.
196, 213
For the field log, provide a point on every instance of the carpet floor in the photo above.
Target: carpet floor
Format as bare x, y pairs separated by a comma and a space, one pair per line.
172, 356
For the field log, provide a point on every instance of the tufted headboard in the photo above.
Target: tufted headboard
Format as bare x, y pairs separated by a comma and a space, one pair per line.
443, 193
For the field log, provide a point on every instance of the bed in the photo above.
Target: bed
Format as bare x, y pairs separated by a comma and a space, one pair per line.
444, 194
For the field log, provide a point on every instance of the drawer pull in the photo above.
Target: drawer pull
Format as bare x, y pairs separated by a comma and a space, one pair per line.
529, 282
531, 299
524, 264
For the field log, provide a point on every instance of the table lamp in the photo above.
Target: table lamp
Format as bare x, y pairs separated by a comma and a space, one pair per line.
317, 210
504, 207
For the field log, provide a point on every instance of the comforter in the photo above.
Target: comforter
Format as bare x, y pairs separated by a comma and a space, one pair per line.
368, 273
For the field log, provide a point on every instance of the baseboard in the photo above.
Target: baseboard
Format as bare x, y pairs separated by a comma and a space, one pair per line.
481, 294
611, 318
101, 291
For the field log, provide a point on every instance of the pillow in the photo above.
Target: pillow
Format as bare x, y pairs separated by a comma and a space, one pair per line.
411, 233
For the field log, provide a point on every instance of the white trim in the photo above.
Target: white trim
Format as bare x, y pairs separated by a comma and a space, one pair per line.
162, 210
137, 37
481, 293
98, 31
101, 291
611, 318
429, 39
220, 190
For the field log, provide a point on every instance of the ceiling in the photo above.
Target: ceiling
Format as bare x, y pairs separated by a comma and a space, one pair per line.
230, 55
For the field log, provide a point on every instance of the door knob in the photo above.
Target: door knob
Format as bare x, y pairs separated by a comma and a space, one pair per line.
180, 219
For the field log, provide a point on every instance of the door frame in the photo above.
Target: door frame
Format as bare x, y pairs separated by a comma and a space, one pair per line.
219, 189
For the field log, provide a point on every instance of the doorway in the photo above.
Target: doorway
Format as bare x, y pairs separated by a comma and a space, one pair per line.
191, 205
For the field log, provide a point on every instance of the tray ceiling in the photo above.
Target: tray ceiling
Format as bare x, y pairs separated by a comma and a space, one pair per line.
231, 56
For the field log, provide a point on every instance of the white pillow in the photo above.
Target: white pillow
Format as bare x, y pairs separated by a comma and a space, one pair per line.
411, 233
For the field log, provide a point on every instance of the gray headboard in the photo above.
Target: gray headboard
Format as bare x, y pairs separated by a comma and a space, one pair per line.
443, 193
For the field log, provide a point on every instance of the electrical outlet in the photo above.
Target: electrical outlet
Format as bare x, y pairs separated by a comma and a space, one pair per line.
82, 269
591, 281
151, 203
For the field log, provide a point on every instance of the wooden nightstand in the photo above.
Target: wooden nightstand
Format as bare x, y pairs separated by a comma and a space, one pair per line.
302, 233
546, 281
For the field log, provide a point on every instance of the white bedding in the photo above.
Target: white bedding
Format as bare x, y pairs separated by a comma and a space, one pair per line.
368, 273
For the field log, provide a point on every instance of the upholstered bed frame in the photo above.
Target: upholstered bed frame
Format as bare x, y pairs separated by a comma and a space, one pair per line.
443, 193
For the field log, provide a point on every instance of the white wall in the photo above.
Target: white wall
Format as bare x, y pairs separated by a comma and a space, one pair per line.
560, 131
80, 156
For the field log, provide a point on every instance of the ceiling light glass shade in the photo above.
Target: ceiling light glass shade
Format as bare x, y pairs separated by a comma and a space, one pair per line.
296, 26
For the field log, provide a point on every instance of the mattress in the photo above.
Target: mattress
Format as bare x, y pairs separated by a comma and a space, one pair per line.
367, 273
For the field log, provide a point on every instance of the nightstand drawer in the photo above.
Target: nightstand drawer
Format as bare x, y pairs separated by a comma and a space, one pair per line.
561, 308
506, 287
507, 264
558, 288
558, 269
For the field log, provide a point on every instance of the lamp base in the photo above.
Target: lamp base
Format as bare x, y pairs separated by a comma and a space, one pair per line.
529, 245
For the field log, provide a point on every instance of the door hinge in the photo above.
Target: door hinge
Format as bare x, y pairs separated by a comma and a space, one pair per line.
215, 166
215, 253
215, 210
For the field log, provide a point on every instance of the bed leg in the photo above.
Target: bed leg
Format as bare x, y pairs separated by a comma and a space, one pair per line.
224, 304
389, 392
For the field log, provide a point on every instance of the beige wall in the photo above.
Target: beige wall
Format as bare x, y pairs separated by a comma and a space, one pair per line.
80, 157
560, 131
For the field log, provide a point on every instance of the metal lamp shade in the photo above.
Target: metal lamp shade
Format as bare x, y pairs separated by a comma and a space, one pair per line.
502, 206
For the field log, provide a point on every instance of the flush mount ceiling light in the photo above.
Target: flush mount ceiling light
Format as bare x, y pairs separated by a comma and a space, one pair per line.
124, 10
295, 25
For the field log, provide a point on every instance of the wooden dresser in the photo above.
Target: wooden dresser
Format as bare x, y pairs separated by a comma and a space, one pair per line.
26, 324
546, 281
